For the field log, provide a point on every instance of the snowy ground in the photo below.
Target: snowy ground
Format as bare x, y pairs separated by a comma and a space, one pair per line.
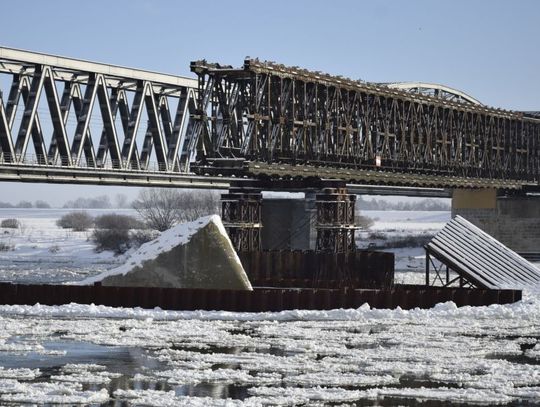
43, 252
93, 355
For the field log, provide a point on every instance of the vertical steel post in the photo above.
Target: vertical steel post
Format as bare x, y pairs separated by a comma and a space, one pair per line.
427, 267
241, 214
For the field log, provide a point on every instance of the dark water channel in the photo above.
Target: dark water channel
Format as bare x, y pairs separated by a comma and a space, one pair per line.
126, 361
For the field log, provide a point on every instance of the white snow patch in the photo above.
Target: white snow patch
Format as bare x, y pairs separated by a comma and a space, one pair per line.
170, 399
19, 373
307, 357
44, 252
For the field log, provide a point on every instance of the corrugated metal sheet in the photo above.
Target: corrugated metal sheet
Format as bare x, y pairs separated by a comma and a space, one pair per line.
480, 258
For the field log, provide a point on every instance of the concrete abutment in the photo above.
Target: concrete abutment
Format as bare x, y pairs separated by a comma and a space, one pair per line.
514, 220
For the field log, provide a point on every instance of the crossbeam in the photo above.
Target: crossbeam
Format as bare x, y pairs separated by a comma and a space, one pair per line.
15, 60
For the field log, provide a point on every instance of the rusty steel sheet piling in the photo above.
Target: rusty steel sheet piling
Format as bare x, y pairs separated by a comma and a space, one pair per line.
258, 300
311, 269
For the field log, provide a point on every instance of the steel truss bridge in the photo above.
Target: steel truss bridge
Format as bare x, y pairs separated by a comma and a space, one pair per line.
64, 120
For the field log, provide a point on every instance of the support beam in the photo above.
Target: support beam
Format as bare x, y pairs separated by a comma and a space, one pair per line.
241, 214
335, 221
13, 57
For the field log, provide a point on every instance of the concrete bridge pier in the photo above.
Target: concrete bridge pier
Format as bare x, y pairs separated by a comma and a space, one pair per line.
289, 224
514, 220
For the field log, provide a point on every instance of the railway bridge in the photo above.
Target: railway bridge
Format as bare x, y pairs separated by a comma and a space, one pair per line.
267, 126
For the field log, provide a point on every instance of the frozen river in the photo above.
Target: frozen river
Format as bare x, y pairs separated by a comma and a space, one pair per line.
105, 356
92, 355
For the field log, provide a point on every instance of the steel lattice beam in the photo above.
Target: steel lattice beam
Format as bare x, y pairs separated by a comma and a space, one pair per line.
110, 99
95, 123
290, 120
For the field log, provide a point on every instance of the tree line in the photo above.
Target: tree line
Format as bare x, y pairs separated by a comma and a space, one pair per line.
373, 204
158, 210
26, 204
187, 200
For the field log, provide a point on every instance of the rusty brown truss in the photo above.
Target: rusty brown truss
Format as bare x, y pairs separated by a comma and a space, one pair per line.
275, 115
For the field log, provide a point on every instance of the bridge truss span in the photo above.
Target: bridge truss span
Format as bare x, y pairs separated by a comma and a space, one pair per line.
68, 120
62, 118
279, 117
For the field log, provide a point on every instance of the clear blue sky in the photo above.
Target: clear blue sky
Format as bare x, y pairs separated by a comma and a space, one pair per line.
488, 49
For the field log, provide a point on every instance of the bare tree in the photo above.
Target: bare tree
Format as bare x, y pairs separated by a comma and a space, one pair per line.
162, 208
196, 204
41, 204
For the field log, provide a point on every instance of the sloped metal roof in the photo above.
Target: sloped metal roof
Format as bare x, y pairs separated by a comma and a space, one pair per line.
481, 259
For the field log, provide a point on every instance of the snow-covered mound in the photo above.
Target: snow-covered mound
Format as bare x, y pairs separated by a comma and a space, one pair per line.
197, 254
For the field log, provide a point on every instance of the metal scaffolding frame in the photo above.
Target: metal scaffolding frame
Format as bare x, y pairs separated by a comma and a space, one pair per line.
242, 217
335, 220
276, 116
441, 271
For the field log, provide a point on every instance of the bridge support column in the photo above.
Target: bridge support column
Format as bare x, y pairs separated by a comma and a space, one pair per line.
335, 220
241, 214
323, 220
513, 220
289, 224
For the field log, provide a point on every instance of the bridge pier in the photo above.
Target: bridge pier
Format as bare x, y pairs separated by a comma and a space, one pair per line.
289, 224
322, 221
513, 220
241, 214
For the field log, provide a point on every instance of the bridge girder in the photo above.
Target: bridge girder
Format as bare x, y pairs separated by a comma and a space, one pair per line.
95, 123
279, 117
100, 117
435, 90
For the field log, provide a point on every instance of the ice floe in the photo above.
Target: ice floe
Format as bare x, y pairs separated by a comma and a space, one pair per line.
475, 355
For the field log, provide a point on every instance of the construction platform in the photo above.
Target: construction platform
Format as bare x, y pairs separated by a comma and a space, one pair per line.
282, 280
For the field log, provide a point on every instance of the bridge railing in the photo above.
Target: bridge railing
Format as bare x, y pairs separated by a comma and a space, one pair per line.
36, 160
